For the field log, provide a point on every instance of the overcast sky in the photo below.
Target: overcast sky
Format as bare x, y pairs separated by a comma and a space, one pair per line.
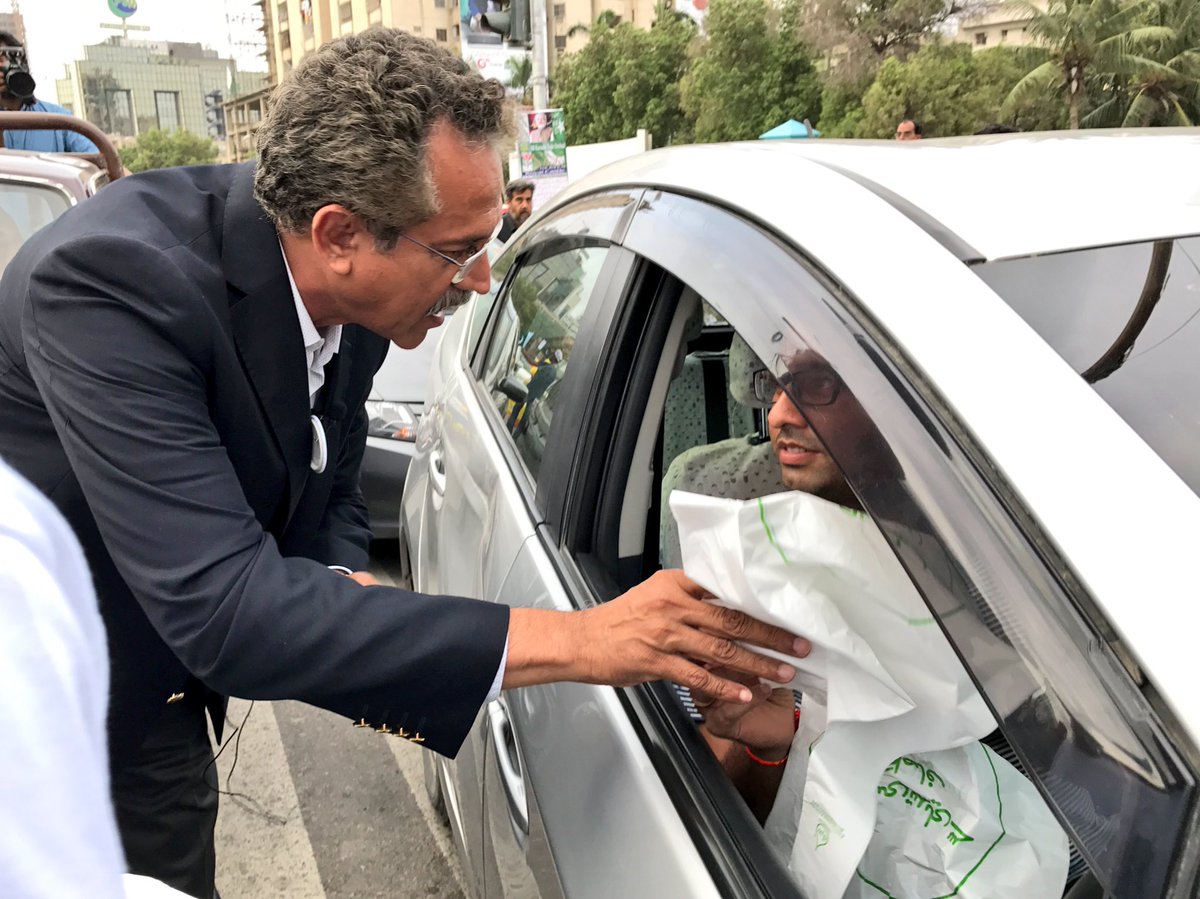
56, 30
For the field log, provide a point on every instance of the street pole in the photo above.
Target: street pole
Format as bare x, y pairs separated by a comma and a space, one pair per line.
540, 82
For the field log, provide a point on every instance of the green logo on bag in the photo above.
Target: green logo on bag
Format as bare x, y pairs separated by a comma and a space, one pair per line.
822, 833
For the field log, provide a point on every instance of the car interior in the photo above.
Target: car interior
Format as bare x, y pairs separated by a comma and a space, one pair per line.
705, 430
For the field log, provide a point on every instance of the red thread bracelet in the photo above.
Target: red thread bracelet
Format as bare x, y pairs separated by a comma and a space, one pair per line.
768, 764
764, 762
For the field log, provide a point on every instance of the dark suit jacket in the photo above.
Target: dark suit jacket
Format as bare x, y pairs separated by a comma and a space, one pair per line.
153, 385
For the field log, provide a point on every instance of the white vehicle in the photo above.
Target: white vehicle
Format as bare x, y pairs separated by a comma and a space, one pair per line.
1018, 317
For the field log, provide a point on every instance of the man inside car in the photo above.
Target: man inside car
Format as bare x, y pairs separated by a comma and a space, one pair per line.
752, 741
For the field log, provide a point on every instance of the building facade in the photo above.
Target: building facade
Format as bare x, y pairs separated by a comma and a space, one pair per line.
127, 86
294, 28
14, 23
996, 25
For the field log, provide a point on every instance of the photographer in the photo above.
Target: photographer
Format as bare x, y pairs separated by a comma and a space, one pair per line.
16, 94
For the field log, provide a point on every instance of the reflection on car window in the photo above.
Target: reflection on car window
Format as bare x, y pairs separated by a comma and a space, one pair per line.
1081, 302
532, 343
25, 208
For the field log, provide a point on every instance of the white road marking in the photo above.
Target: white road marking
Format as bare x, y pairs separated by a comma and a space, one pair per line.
263, 849
408, 760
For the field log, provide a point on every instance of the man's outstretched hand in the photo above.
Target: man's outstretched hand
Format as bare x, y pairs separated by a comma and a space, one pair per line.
660, 630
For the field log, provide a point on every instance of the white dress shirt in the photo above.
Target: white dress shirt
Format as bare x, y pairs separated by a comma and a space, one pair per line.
319, 347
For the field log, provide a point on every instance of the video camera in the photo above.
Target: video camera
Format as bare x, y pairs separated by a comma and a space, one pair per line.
17, 80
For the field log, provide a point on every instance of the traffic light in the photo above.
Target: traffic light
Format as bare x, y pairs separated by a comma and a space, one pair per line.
214, 114
511, 21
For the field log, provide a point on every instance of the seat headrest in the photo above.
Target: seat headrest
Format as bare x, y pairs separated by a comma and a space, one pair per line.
744, 367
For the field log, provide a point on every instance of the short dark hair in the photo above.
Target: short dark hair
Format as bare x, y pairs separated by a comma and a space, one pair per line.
517, 186
997, 128
8, 39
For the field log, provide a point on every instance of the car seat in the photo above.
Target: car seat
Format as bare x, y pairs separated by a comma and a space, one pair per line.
742, 467
699, 408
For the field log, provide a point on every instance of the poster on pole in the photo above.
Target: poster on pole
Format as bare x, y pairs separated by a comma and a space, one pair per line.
484, 49
545, 149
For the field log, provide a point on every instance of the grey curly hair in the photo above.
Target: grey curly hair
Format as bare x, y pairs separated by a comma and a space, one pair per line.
350, 125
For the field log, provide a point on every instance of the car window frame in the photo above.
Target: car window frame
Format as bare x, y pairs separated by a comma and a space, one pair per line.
544, 496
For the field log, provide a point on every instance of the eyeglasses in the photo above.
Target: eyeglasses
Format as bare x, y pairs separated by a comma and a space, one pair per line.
464, 266
811, 386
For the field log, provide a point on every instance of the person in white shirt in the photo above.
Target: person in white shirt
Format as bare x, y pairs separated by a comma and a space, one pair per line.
58, 835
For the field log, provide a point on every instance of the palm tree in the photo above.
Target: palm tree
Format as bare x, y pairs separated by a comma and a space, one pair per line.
1166, 93
520, 73
1085, 39
606, 19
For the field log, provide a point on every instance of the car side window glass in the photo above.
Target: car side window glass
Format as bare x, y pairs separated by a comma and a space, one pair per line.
483, 303
532, 342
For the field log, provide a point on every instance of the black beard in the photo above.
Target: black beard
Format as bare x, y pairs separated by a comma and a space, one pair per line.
449, 301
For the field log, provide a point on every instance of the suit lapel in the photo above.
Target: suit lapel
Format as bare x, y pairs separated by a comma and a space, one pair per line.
265, 327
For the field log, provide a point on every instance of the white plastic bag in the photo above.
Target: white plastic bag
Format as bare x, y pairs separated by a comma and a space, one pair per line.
881, 683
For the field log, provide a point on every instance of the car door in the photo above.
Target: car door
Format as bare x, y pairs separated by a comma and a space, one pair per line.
495, 431
574, 805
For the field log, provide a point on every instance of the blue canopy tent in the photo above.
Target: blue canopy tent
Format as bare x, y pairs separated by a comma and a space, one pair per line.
790, 129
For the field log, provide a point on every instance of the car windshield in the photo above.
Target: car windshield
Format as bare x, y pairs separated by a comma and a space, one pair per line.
1127, 318
24, 208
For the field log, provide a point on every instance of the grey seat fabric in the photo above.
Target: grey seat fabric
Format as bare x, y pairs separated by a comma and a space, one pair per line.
738, 468
684, 422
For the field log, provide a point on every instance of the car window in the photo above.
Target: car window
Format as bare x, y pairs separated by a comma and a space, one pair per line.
532, 341
24, 209
1129, 320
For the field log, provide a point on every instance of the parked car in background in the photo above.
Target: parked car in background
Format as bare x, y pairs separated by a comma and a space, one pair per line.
1018, 318
393, 412
36, 188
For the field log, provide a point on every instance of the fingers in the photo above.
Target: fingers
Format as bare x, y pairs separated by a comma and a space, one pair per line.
735, 625
659, 630
365, 578
740, 627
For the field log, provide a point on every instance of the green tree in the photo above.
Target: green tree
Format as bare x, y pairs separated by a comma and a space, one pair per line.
856, 36
624, 79
952, 90
520, 73
1166, 92
752, 73
842, 106
155, 149
1085, 40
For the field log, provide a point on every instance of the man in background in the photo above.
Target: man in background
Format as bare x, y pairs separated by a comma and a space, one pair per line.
909, 129
16, 95
519, 196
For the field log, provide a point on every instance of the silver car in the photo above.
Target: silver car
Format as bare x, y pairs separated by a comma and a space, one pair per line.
1019, 319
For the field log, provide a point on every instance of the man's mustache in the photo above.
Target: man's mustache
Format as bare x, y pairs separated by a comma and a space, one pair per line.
450, 300
804, 439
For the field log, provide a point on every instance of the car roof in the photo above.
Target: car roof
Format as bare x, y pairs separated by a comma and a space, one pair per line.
988, 197
70, 172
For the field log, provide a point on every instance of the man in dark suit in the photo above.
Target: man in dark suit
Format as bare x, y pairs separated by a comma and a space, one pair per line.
183, 364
